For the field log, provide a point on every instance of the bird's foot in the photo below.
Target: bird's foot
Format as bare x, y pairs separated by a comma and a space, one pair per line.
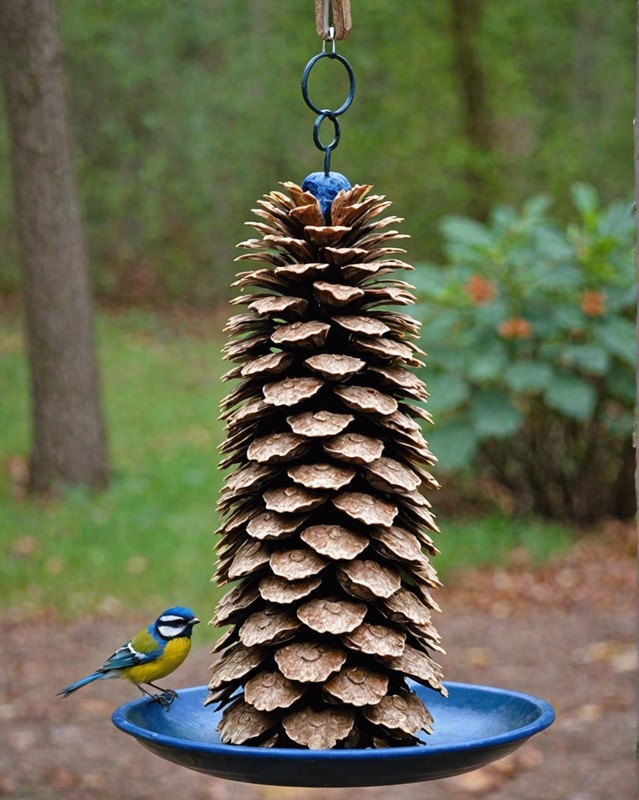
166, 698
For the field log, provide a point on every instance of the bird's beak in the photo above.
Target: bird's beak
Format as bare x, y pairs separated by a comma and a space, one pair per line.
194, 621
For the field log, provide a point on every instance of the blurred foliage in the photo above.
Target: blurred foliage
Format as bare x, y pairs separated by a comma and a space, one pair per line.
531, 329
185, 113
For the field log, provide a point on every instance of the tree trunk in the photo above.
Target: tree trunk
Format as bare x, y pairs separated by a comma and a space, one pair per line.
68, 437
465, 21
635, 437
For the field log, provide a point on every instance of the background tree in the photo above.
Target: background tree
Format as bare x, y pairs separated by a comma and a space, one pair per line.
68, 443
636, 151
466, 18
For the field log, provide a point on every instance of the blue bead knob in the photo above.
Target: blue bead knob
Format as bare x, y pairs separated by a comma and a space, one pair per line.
325, 188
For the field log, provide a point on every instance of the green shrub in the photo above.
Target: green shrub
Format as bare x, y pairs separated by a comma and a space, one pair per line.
530, 333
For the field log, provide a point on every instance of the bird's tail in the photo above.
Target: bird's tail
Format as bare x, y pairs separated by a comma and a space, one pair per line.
73, 687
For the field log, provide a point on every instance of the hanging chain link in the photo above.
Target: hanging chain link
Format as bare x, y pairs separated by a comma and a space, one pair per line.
326, 113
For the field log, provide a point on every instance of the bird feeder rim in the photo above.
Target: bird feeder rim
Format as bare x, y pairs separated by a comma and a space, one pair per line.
399, 762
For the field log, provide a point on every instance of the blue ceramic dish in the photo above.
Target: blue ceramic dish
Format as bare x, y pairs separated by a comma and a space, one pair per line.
473, 726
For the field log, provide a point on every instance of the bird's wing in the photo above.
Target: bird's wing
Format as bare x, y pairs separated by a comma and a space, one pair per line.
140, 650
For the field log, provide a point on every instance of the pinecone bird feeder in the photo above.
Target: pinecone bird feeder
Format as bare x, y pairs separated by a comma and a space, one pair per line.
326, 522
326, 530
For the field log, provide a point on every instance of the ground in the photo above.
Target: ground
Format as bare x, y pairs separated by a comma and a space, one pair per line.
564, 632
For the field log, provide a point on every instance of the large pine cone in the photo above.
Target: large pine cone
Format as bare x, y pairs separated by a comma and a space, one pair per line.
325, 526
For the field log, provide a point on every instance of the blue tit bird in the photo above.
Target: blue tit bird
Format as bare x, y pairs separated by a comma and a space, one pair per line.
151, 654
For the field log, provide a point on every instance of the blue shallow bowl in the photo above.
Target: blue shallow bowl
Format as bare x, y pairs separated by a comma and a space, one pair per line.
473, 726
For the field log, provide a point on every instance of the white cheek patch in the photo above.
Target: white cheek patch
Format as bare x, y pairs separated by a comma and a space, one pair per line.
171, 631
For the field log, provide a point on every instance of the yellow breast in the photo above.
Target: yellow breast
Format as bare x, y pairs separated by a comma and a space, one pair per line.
175, 652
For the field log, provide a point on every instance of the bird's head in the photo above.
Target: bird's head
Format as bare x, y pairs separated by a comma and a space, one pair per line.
174, 622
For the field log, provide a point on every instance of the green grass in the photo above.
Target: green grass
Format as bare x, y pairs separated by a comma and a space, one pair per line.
147, 542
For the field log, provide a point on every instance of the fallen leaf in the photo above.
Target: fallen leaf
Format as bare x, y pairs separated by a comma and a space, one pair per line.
61, 778
588, 712
625, 661
279, 792
479, 657
22, 740
480, 781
